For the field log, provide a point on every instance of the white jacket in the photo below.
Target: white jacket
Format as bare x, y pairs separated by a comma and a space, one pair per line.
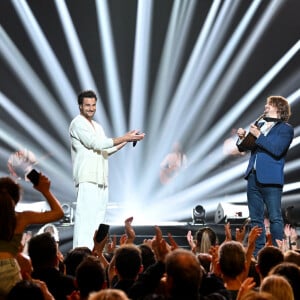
90, 149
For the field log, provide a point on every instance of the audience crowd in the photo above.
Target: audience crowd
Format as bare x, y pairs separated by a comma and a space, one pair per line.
34, 267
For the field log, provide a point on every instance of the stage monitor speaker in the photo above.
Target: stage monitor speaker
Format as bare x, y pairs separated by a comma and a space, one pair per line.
233, 213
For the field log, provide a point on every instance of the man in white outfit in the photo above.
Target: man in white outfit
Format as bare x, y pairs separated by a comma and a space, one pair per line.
90, 149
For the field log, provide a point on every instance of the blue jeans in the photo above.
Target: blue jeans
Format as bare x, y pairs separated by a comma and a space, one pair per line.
260, 196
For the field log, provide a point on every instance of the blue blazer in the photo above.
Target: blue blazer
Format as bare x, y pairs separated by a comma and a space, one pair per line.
270, 153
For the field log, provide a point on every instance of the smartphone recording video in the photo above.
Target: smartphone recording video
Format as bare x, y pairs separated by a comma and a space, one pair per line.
102, 232
34, 176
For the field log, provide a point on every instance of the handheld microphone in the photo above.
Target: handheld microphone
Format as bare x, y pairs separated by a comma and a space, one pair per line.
135, 142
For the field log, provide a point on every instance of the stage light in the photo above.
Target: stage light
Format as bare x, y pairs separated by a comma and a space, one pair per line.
198, 215
68, 214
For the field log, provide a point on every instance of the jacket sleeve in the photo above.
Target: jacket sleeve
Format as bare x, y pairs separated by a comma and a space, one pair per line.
276, 143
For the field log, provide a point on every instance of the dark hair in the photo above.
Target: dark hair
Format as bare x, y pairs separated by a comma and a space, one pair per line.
25, 289
128, 261
10, 193
282, 106
267, 258
13, 188
7, 216
90, 275
74, 257
86, 94
42, 250
148, 257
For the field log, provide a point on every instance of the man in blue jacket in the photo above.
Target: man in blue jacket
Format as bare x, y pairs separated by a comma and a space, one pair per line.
272, 138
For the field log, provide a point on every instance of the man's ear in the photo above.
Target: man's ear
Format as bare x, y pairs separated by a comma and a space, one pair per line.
141, 269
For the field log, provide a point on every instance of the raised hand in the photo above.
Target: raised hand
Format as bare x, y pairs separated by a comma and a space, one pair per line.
129, 231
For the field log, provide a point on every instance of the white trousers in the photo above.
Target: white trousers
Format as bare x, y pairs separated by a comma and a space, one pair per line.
91, 209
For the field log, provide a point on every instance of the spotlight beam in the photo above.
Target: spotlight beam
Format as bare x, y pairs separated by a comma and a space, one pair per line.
233, 71
48, 59
204, 53
170, 61
172, 51
139, 86
34, 86
173, 111
294, 96
140, 80
34, 130
216, 131
229, 78
79, 60
111, 68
